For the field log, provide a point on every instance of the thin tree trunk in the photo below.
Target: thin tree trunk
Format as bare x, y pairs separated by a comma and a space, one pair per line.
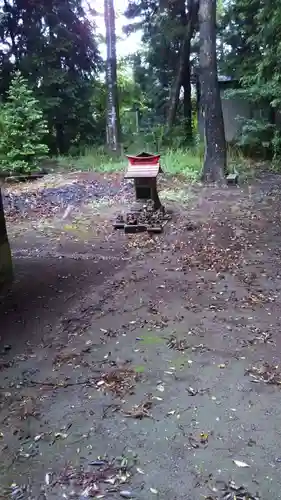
187, 103
182, 67
60, 139
175, 90
214, 168
6, 267
112, 118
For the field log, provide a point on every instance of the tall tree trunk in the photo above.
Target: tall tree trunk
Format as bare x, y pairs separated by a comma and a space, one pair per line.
6, 267
214, 168
113, 119
182, 67
60, 142
187, 103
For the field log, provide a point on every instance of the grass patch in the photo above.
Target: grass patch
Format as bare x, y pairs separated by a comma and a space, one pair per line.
94, 160
187, 162
139, 369
151, 340
175, 195
238, 163
174, 161
181, 362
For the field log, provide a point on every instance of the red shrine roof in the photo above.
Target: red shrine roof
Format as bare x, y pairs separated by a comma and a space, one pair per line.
143, 165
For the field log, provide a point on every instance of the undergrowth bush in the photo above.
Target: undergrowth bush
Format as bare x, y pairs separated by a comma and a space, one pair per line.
255, 137
22, 130
174, 161
260, 135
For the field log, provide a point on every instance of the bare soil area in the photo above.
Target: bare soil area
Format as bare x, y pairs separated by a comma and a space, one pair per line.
143, 367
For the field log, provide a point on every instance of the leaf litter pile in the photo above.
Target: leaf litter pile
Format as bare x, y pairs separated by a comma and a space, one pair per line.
47, 197
182, 345
259, 338
230, 491
141, 410
100, 478
213, 256
120, 381
265, 373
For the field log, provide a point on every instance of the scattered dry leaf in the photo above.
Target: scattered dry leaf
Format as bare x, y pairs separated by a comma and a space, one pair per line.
120, 381
160, 388
177, 344
154, 491
141, 410
265, 373
240, 464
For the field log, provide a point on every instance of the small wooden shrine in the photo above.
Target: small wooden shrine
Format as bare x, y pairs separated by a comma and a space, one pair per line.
148, 214
144, 169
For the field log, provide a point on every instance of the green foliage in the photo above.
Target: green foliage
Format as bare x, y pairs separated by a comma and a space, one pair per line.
186, 162
256, 136
53, 44
156, 65
55, 47
94, 159
252, 32
260, 134
182, 162
23, 129
238, 33
132, 102
175, 161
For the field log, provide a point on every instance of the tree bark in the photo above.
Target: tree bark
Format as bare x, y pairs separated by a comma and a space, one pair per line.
6, 267
187, 103
60, 143
112, 115
214, 168
183, 67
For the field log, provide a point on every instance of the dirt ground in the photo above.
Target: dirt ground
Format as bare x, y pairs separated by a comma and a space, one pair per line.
139, 367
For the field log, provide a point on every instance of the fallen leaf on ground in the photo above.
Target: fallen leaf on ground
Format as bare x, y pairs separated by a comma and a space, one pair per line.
126, 494
240, 464
231, 491
61, 435
160, 388
140, 411
177, 344
38, 437
48, 479
192, 392
154, 491
193, 442
204, 437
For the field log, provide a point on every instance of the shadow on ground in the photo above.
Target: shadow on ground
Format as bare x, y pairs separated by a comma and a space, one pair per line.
44, 289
